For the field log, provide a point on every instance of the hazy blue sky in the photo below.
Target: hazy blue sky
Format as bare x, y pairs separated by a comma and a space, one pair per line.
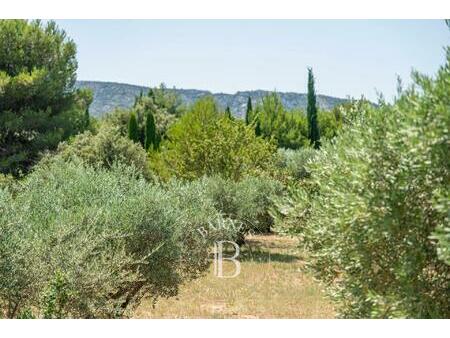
348, 57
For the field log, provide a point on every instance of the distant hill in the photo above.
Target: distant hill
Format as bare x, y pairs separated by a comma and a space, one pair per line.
109, 95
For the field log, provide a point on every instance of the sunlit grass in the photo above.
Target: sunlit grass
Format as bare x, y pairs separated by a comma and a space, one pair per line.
272, 284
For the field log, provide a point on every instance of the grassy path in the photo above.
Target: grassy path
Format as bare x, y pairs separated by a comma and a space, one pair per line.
271, 285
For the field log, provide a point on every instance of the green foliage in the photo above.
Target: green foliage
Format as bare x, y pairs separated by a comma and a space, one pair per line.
133, 132
7, 181
56, 297
258, 128
150, 132
228, 113
273, 121
162, 104
293, 163
105, 149
247, 202
239, 207
351, 112
204, 142
194, 198
311, 112
375, 214
248, 112
87, 243
290, 128
39, 106
166, 100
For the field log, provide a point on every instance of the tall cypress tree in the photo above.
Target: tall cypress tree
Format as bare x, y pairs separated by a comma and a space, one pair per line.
248, 113
87, 119
311, 110
228, 113
258, 131
133, 130
151, 94
150, 132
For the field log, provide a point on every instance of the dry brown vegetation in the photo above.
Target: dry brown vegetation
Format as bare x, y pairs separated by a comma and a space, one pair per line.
272, 284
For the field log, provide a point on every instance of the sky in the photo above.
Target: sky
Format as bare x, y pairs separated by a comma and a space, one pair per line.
348, 57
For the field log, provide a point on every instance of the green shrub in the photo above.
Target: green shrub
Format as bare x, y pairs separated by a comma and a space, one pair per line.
293, 162
247, 202
375, 214
106, 148
194, 198
84, 242
7, 181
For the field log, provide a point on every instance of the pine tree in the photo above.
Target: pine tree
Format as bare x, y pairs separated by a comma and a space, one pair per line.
313, 127
39, 103
133, 132
248, 113
150, 132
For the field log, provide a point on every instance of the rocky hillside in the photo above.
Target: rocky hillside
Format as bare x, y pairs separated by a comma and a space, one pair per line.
109, 95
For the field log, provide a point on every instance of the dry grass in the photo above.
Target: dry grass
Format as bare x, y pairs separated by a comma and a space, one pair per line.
271, 285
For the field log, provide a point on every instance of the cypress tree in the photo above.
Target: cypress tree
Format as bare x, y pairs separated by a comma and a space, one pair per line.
248, 113
257, 128
228, 113
151, 94
150, 132
313, 127
87, 119
138, 99
133, 132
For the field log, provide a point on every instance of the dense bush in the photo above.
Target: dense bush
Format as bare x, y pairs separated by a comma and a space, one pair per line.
247, 202
84, 242
106, 148
205, 142
7, 181
375, 214
195, 199
292, 163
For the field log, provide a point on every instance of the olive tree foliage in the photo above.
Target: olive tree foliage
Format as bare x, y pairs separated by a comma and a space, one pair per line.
374, 215
205, 142
241, 207
39, 106
247, 202
85, 242
292, 164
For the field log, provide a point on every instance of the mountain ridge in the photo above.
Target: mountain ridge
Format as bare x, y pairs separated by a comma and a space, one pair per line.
110, 95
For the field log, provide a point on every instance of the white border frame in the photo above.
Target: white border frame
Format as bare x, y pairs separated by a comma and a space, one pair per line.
225, 9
